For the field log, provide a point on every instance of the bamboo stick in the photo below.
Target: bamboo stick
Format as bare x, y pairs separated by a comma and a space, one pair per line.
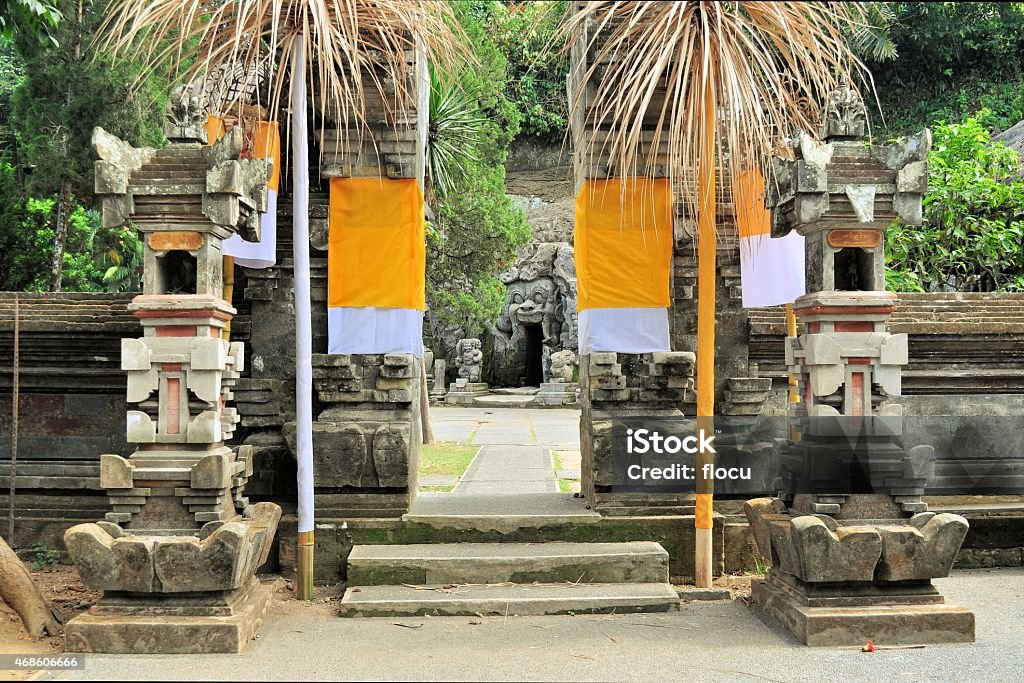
706, 271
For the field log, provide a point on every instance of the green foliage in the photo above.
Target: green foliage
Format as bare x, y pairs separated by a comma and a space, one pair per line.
81, 272
525, 34
30, 18
453, 134
119, 254
974, 218
65, 94
476, 229
954, 58
43, 556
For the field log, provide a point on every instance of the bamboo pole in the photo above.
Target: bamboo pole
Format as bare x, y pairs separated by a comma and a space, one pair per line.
706, 271
791, 332
303, 324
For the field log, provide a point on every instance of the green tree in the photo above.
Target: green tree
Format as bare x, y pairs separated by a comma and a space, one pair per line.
974, 218
31, 18
476, 229
63, 95
953, 58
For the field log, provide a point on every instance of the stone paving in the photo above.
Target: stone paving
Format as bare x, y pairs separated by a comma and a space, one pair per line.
721, 641
516, 445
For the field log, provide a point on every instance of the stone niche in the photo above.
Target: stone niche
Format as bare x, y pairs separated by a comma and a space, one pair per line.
539, 316
366, 436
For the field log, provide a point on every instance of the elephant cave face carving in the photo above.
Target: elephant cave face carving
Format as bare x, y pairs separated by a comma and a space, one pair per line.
533, 303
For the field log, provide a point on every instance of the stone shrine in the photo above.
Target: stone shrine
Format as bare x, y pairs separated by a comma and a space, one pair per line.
471, 364
177, 556
559, 387
852, 546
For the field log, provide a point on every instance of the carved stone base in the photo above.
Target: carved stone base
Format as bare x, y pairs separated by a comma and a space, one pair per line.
161, 624
914, 615
463, 393
556, 393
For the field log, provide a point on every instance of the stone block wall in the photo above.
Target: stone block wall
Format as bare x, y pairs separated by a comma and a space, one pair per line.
628, 385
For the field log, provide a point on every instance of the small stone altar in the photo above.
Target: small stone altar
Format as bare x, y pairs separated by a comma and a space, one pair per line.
852, 546
468, 386
176, 559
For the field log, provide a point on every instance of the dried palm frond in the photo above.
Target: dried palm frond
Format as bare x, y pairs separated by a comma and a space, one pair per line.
354, 50
765, 66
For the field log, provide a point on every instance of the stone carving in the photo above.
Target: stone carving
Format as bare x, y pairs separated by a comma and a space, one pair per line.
180, 523
470, 358
845, 115
185, 116
562, 365
850, 531
539, 315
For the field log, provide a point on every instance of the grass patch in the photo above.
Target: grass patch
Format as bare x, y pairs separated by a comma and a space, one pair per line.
445, 458
436, 489
564, 485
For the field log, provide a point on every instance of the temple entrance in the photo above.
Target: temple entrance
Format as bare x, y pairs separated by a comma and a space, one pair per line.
534, 374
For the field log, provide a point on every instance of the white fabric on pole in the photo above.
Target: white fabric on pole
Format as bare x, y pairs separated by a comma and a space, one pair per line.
262, 254
771, 269
369, 329
625, 330
303, 325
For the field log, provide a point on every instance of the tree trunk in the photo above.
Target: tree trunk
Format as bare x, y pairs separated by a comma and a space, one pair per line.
60, 233
21, 594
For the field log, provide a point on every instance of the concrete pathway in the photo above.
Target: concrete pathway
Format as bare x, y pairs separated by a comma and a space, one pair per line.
508, 470
516, 445
710, 642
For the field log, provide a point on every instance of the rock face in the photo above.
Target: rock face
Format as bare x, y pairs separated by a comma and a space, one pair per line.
539, 317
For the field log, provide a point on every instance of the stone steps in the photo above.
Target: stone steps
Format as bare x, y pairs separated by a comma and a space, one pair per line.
507, 578
508, 599
440, 563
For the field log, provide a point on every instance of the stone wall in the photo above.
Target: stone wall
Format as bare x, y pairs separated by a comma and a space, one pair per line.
71, 407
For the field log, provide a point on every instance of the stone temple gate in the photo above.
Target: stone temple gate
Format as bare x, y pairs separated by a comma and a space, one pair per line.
956, 360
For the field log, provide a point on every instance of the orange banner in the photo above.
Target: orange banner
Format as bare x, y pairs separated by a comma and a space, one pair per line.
377, 247
623, 243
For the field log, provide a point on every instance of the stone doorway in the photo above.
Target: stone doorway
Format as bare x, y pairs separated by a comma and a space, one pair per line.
534, 370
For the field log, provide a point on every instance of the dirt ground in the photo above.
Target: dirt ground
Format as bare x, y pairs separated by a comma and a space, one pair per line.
62, 587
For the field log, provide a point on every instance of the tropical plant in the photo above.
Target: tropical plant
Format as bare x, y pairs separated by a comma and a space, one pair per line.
31, 18
119, 254
973, 232
526, 34
454, 132
476, 229
954, 59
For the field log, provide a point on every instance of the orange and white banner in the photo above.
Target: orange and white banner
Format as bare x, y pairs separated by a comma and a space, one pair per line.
771, 269
623, 250
266, 144
376, 266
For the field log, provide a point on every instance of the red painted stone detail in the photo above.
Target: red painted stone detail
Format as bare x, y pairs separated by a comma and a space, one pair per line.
173, 405
857, 389
855, 326
176, 331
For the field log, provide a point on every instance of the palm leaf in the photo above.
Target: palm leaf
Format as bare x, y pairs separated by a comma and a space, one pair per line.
651, 63
454, 132
352, 48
